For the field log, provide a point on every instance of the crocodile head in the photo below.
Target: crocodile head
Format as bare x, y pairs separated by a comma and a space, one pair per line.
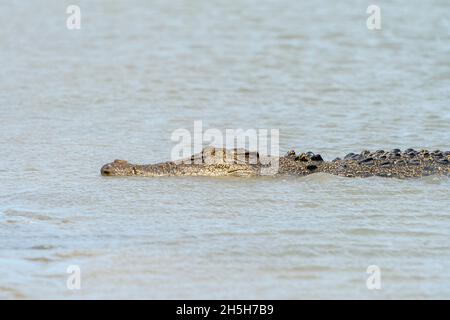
118, 168
123, 168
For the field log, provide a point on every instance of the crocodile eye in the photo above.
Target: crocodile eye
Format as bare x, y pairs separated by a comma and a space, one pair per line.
311, 167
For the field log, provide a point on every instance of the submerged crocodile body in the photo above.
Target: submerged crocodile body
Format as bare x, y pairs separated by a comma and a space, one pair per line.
240, 162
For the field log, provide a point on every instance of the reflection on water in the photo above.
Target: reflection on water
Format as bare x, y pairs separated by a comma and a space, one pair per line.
74, 100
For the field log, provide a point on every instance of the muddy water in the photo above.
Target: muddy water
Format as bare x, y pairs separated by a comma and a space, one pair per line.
71, 101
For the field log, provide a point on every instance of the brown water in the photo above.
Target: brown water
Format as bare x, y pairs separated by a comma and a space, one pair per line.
71, 101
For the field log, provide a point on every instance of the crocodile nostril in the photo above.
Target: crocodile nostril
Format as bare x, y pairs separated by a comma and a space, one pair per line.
106, 170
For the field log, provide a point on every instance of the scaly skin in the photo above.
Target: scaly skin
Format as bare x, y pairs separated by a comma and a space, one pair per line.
239, 162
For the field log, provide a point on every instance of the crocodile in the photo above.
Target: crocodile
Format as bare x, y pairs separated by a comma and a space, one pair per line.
213, 161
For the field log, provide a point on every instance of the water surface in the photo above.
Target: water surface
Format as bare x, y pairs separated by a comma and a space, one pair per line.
71, 101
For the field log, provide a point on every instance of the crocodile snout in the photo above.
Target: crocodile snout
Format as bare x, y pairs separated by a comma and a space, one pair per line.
117, 168
106, 170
